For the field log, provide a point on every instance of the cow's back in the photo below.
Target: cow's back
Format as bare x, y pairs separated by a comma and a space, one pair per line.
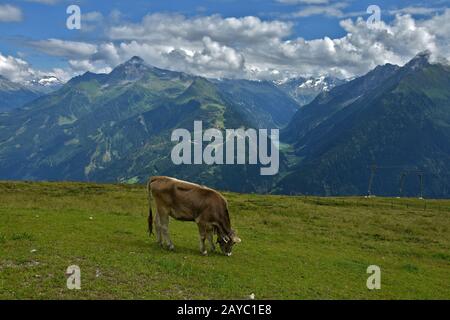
185, 198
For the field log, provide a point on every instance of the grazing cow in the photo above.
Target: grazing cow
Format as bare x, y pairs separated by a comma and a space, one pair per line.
187, 201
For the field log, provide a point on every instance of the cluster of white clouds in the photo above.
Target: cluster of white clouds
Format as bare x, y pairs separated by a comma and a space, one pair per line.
249, 47
333, 8
14, 68
19, 70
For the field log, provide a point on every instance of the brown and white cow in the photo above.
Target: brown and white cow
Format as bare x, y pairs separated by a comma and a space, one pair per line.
187, 201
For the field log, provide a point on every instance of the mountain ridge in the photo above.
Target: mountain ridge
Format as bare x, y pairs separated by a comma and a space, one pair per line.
400, 122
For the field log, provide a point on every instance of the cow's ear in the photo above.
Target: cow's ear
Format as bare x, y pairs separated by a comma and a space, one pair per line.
236, 239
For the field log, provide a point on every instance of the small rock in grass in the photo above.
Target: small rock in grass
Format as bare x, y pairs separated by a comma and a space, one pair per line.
33, 263
33, 250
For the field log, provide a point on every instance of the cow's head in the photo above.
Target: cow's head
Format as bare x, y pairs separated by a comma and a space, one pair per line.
227, 242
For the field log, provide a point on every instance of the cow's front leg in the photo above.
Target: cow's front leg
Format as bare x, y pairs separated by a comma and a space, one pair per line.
202, 232
210, 235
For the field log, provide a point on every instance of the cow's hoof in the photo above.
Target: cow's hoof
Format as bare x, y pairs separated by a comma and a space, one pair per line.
171, 247
204, 253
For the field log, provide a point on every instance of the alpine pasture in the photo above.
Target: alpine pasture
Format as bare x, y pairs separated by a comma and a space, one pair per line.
293, 247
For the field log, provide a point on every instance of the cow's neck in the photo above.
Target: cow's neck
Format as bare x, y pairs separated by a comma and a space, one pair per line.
224, 227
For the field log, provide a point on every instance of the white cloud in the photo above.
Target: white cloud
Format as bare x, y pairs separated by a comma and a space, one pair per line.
80, 66
18, 70
250, 48
13, 68
304, 1
63, 48
9, 13
334, 10
416, 11
44, 1
93, 16
156, 27
90, 21
210, 46
214, 60
62, 74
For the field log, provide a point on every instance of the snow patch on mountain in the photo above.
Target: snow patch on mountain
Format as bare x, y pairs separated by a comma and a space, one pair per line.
305, 89
45, 84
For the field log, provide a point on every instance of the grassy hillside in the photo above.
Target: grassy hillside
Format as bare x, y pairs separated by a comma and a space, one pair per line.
293, 247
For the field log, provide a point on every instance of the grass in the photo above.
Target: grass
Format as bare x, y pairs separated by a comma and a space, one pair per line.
293, 247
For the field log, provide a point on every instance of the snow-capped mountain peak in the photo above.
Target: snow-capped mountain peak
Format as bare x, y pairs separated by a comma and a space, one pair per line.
48, 81
305, 89
45, 84
319, 83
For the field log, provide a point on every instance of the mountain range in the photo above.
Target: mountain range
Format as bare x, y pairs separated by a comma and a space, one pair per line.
390, 126
117, 126
393, 120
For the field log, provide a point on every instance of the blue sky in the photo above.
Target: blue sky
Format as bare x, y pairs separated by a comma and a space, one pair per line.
37, 21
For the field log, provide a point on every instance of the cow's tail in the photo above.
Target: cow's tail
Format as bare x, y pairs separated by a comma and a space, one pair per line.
150, 214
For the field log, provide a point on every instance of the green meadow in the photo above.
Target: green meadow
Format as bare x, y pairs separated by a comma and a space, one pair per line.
292, 247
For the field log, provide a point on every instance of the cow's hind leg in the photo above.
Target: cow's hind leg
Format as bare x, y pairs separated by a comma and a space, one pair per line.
164, 224
158, 229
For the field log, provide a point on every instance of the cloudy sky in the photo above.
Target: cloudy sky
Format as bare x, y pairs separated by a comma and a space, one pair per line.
252, 39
